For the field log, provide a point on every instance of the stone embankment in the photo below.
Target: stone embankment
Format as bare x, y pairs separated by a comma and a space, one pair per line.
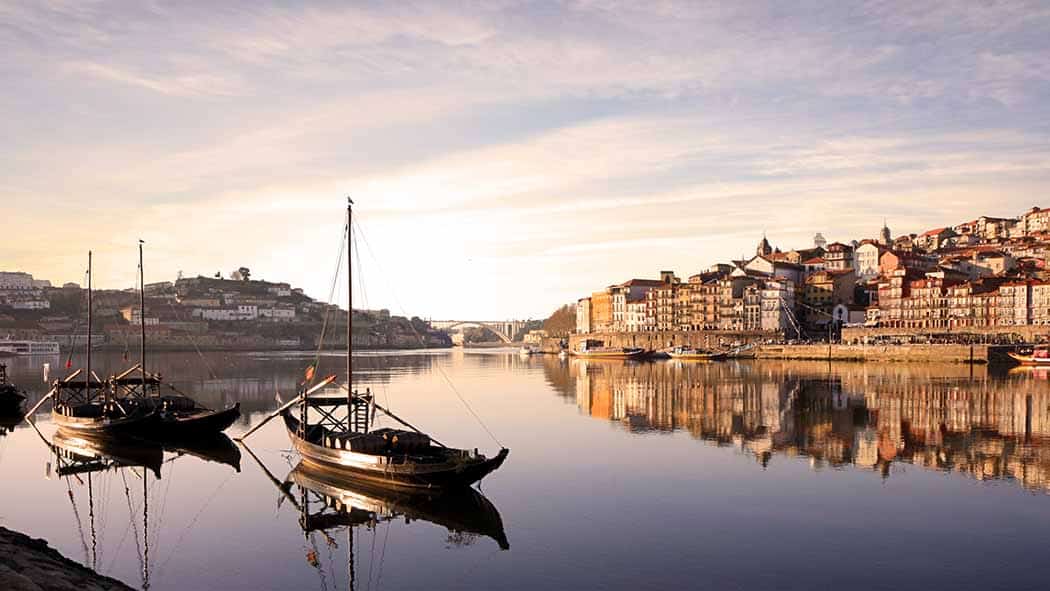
27, 564
656, 341
919, 353
909, 353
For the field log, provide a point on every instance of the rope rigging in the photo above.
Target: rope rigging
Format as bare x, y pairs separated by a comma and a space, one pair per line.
419, 338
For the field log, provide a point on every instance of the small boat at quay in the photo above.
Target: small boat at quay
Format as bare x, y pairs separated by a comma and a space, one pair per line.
594, 349
11, 397
1038, 356
691, 354
332, 429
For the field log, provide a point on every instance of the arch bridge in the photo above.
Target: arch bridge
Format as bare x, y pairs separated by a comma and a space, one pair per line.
506, 330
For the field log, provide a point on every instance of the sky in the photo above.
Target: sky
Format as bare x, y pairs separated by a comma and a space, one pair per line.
505, 157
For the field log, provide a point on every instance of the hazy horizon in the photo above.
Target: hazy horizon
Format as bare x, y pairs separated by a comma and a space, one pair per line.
506, 158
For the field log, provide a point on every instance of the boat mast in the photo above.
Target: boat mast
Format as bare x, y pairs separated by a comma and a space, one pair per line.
87, 379
350, 301
142, 319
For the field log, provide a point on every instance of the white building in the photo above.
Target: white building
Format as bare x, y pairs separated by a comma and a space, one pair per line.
867, 255
15, 280
278, 313
583, 316
635, 317
244, 312
31, 305
777, 304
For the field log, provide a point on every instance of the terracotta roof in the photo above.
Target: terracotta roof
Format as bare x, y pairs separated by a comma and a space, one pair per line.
934, 232
641, 283
814, 261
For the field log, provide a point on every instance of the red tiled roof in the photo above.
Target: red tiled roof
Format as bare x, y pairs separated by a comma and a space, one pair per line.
934, 232
814, 261
642, 283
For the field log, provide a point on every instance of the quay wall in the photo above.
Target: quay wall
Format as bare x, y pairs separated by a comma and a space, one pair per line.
875, 353
1022, 333
657, 340
917, 353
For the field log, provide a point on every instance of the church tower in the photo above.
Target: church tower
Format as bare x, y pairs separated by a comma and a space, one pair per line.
885, 238
764, 249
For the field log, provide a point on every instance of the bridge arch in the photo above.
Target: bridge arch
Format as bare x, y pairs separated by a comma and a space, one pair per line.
459, 326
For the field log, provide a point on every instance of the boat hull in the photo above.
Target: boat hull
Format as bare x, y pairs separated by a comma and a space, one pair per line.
1029, 360
379, 470
610, 354
141, 424
202, 424
699, 356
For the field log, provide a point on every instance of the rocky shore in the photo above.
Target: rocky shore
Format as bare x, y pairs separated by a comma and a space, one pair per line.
28, 564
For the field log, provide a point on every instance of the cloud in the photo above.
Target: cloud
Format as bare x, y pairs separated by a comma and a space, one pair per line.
522, 154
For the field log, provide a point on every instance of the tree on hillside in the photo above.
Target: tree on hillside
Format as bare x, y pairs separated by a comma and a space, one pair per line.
562, 322
242, 274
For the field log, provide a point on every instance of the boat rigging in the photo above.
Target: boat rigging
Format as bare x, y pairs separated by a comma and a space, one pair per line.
333, 430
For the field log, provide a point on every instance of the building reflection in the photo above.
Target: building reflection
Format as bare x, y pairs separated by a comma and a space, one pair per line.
990, 427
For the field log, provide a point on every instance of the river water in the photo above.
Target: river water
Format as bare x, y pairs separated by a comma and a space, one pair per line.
749, 475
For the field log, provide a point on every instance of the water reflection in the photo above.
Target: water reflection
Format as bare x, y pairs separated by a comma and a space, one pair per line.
89, 468
327, 502
990, 427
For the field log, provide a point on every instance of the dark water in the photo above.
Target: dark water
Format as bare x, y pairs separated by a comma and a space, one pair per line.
756, 475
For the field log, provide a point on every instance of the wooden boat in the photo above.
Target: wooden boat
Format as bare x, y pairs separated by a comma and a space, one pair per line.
11, 398
690, 354
179, 416
339, 438
611, 353
1038, 356
83, 404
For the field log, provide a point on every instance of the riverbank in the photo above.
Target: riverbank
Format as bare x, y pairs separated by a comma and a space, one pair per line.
28, 564
941, 353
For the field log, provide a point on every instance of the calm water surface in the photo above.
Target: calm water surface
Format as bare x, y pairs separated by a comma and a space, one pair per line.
751, 475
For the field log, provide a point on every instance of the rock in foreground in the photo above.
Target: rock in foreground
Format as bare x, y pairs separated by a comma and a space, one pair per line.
27, 564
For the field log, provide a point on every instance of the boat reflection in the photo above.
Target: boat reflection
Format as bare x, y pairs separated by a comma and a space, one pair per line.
328, 502
103, 466
345, 502
8, 422
990, 427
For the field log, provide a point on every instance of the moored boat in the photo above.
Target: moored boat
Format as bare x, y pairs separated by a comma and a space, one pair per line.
332, 429
691, 354
178, 416
81, 402
1038, 356
11, 397
596, 350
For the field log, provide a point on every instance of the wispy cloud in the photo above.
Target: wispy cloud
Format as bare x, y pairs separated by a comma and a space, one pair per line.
493, 146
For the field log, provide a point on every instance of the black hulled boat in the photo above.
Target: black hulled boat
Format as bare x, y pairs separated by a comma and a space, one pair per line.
11, 398
178, 416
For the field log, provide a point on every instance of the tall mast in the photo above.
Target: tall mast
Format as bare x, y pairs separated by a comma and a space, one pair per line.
87, 380
142, 319
350, 295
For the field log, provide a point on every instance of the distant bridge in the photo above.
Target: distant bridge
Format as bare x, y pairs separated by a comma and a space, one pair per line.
506, 330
